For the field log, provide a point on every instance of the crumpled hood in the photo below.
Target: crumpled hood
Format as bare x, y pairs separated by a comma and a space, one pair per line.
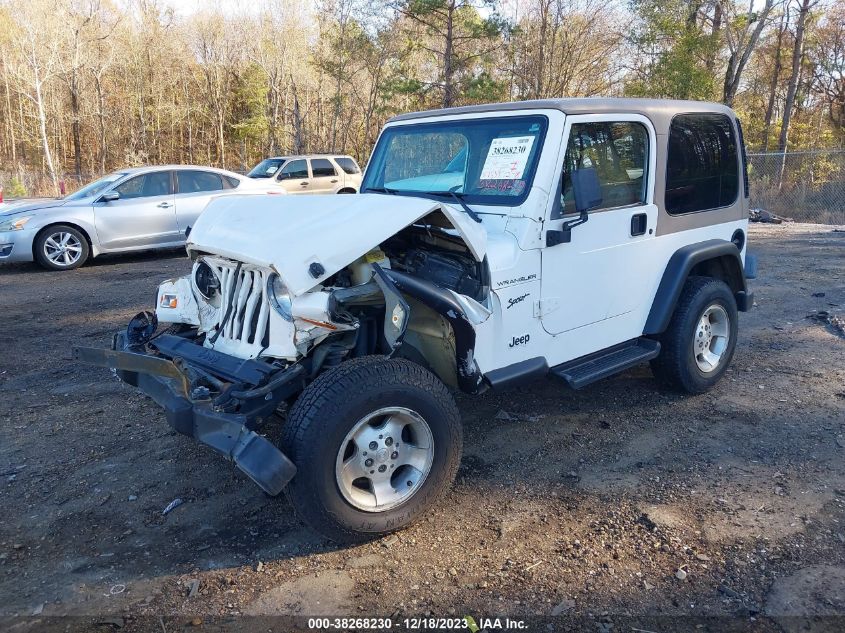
290, 233
18, 207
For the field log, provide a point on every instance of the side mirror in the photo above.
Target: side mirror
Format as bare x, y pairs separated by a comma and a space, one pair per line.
110, 196
586, 189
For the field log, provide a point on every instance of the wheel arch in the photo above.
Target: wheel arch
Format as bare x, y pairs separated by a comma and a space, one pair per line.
468, 377
94, 251
719, 259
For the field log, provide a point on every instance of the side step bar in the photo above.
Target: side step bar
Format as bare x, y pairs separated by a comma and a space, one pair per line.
588, 369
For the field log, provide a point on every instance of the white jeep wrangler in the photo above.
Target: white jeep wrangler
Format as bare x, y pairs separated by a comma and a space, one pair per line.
490, 245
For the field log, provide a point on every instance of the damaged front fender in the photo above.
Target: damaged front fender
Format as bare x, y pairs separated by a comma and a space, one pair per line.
469, 377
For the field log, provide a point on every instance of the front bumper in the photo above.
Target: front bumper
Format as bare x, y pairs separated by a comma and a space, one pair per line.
16, 246
226, 424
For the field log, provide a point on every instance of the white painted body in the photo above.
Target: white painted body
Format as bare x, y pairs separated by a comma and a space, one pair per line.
559, 303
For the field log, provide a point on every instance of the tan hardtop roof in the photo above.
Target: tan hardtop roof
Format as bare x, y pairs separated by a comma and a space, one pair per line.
660, 111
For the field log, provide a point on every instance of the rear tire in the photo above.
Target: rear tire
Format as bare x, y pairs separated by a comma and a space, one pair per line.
376, 442
61, 247
697, 347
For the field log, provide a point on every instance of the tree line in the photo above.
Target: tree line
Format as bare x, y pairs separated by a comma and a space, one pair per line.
87, 86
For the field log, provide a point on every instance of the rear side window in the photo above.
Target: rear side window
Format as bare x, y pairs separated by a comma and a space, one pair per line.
198, 181
347, 164
618, 151
233, 182
702, 168
322, 167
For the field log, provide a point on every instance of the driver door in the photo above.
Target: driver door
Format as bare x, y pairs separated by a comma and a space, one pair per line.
603, 272
294, 176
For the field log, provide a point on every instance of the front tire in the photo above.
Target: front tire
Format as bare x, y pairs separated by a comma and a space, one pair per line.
375, 441
61, 247
698, 345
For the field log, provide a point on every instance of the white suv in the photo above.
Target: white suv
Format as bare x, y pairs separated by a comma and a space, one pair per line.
313, 173
494, 244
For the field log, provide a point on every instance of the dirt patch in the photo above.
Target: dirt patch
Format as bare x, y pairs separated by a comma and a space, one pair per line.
585, 504
327, 592
808, 599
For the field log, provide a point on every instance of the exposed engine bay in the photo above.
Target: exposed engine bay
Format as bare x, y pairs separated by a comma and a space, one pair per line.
428, 252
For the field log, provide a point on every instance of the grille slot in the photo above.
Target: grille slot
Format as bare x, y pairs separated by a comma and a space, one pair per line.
248, 323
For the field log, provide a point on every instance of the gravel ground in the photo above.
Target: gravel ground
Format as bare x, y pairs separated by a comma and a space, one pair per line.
618, 507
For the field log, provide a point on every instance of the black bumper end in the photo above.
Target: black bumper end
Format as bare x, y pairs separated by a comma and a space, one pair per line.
229, 434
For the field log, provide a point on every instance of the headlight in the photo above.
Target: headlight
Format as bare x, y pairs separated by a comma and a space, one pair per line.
14, 224
279, 296
206, 281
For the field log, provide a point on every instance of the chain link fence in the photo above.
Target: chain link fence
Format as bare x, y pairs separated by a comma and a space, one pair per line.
803, 186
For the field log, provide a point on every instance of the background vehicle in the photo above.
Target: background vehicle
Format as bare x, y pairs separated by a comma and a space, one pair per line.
312, 173
578, 238
128, 210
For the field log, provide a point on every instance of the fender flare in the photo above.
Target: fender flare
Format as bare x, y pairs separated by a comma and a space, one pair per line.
469, 375
713, 255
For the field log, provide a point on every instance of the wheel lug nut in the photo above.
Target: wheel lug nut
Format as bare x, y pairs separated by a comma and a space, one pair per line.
394, 455
368, 463
382, 468
388, 441
373, 445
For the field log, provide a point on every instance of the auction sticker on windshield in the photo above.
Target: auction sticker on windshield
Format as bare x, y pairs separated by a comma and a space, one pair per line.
507, 158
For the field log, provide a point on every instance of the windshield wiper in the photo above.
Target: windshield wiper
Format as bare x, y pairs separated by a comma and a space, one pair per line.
379, 190
459, 197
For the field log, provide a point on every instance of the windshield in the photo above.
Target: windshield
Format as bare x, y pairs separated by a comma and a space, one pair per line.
95, 188
266, 168
488, 161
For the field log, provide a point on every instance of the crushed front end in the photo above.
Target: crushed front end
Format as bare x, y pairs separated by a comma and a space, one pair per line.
216, 398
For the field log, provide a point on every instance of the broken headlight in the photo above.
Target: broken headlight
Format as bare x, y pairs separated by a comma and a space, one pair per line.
279, 296
206, 281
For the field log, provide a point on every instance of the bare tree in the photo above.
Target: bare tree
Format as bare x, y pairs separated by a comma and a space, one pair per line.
829, 64
804, 8
37, 44
773, 85
741, 42
566, 48
216, 45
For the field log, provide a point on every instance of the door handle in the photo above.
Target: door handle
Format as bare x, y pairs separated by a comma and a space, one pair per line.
304, 184
639, 224
334, 181
164, 205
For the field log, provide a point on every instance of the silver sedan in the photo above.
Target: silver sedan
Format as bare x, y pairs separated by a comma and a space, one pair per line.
128, 210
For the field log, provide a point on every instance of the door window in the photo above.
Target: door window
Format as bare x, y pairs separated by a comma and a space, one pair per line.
147, 185
194, 181
294, 169
618, 151
322, 167
702, 169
